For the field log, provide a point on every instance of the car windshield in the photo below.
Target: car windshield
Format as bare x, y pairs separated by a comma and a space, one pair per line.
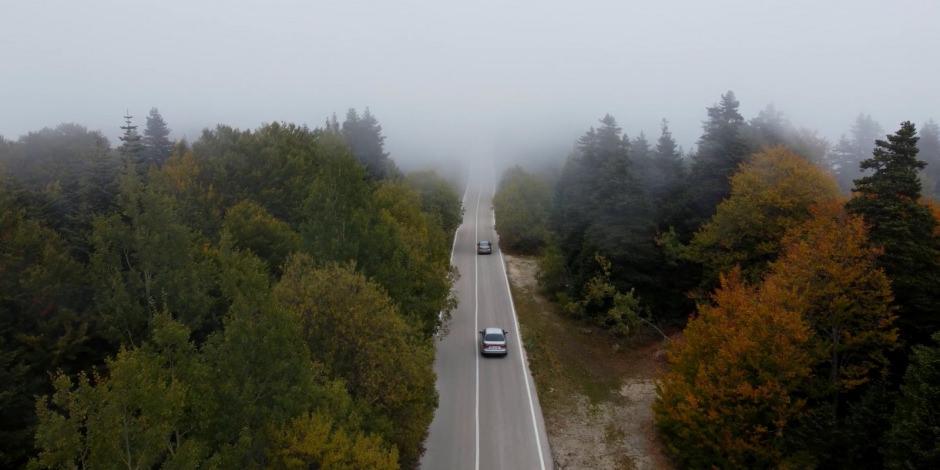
494, 337
484, 243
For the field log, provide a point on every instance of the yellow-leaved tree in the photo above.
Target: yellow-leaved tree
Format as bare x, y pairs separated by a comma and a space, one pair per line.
770, 193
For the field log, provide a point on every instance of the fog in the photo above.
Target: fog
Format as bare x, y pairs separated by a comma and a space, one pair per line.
466, 80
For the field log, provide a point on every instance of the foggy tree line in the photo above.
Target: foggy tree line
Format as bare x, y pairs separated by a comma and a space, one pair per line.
241, 301
807, 277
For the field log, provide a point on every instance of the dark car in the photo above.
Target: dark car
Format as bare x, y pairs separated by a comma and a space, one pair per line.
493, 342
484, 247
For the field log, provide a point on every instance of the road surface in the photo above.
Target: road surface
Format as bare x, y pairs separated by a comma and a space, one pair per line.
488, 416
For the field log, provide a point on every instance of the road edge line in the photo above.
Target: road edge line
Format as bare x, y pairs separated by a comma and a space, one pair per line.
523, 358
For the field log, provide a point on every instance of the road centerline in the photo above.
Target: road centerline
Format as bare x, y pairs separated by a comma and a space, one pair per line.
476, 328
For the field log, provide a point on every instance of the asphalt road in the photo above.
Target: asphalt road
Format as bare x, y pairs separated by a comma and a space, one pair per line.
488, 416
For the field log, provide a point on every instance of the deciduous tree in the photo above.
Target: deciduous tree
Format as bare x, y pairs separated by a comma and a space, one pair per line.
734, 380
769, 194
354, 329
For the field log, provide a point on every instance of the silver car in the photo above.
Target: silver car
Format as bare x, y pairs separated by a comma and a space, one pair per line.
484, 247
493, 341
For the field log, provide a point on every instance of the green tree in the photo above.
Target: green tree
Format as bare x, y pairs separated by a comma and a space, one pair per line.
849, 153
43, 325
929, 150
914, 438
601, 207
668, 175
252, 228
157, 145
888, 201
439, 198
143, 258
522, 204
364, 136
132, 147
409, 256
182, 178
354, 329
721, 148
62, 176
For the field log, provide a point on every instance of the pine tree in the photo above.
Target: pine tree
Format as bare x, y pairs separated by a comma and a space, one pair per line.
849, 153
364, 137
721, 149
332, 125
840, 158
929, 151
669, 169
602, 208
888, 200
132, 148
156, 141
914, 439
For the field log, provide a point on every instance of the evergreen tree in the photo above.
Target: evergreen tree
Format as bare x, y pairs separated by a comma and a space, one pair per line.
849, 153
914, 439
668, 172
771, 128
601, 208
929, 151
364, 136
888, 200
839, 158
332, 125
721, 149
156, 140
639, 149
132, 146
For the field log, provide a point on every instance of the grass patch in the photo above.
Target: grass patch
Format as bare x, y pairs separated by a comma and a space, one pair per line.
565, 356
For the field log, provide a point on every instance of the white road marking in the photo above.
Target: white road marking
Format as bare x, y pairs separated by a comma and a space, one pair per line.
522, 358
476, 327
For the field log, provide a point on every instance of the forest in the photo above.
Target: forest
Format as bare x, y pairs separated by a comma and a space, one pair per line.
795, 282
238, 301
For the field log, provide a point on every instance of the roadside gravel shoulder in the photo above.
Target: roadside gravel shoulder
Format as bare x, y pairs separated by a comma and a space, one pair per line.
596, 392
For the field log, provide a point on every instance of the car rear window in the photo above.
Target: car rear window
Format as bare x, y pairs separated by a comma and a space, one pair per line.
494, 337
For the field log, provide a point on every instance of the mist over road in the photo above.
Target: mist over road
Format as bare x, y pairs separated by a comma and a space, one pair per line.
489, 414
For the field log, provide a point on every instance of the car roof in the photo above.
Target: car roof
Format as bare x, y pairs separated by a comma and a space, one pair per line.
485, 241
488, 331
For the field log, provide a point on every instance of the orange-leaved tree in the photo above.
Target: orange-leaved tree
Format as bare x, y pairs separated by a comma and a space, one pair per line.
762, 365
731, 388
827, 272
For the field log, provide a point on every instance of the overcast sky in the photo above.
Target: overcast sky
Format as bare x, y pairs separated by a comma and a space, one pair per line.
469, 78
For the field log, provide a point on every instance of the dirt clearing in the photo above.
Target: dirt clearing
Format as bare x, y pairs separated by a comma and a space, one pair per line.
596, 392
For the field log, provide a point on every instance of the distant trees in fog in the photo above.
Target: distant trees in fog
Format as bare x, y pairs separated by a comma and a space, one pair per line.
814, 270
